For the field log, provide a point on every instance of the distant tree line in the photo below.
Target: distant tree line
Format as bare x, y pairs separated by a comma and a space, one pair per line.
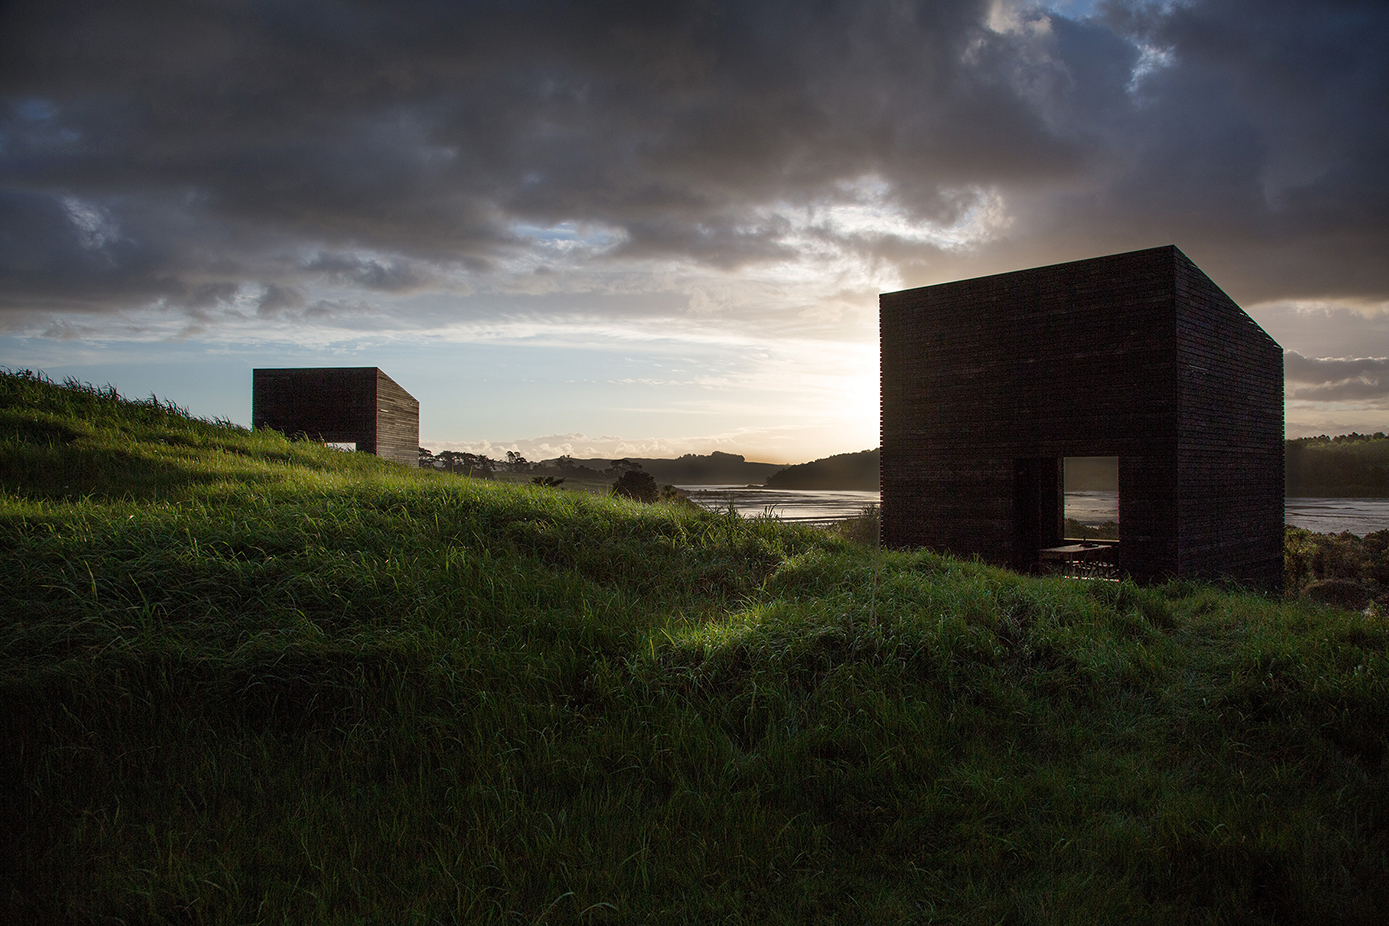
841, 471
630, 481
476, 465
689, 469
1350, 466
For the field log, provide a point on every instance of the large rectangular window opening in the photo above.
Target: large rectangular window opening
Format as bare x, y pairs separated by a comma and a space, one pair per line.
1092, 498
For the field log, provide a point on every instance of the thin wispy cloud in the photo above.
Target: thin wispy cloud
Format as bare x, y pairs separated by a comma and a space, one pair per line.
1335, 379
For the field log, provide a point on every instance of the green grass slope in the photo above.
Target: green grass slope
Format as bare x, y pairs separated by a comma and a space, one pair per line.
250, 681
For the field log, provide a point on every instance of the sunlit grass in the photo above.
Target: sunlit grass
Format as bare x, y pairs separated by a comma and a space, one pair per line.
259, 681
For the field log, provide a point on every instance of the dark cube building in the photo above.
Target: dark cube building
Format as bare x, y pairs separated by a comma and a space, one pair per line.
988, 384
358, 405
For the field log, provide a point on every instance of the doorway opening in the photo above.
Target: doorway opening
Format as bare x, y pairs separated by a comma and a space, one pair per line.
1037, 510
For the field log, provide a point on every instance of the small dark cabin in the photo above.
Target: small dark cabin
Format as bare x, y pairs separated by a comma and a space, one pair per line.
989, 384
356, 405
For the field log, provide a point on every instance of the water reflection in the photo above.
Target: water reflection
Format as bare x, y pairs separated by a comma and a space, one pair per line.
1336, 515
803, 506
1092, 508
1324, 515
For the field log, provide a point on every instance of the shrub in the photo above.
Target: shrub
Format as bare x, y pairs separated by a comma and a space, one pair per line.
636, 485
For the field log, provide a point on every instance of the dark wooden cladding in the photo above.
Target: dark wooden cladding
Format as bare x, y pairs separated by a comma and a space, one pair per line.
987, 382
357, 405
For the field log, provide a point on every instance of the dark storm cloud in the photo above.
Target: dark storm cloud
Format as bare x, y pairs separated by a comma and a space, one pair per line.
279, 300
1321, 379
178, 152
1255, 139
368, 273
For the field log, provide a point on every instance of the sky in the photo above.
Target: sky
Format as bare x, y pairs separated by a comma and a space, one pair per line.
624, 228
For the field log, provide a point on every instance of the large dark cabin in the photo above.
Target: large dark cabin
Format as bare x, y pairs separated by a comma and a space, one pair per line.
988, 384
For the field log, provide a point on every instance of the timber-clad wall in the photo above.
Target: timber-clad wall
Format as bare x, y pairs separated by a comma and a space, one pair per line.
988, 383
358, 405
398, 422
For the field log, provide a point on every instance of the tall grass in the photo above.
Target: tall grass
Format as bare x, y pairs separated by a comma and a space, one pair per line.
248, 680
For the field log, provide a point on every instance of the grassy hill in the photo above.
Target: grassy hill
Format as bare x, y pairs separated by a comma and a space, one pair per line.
246, 680
841, 471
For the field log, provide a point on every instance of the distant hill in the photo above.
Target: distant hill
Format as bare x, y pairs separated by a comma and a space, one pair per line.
715, 468
1350, 465
841, 471
860, 471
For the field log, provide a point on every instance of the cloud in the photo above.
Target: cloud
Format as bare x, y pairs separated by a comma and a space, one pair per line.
1256, 147
428, 131
1326, 379
277, 300
388, 275
263, 157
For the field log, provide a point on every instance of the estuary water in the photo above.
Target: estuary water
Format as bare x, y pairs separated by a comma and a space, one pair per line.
1335, 515
1323, 515
805, 506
